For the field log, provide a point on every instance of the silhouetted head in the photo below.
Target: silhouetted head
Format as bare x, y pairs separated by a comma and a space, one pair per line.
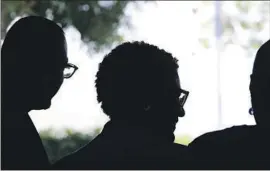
138, 83
34, 56
260, 86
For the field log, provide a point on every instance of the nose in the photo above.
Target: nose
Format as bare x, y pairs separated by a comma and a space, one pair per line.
182, 112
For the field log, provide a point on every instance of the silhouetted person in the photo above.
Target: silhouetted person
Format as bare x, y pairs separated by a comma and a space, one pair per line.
34, 57
242, 147
138, 88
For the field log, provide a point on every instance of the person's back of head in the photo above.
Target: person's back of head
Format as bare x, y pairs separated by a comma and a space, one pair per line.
259, 86
137, 83
33, 59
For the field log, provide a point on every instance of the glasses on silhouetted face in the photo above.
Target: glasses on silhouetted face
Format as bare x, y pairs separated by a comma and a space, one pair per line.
69, 70
183, 97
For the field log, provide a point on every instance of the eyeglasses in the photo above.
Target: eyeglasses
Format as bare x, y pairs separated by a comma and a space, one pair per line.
183, 97
69, 70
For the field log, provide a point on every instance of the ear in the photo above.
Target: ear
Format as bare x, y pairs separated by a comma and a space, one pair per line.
250, 111
147, 108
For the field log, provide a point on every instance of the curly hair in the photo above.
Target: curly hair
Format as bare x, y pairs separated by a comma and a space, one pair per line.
132, 75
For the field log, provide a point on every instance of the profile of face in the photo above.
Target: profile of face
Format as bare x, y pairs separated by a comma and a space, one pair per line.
171, 105
259, 86
260, 98
49, 76
35, 55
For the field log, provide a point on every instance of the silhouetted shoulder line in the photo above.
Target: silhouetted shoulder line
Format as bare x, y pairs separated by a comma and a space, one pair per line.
219, 135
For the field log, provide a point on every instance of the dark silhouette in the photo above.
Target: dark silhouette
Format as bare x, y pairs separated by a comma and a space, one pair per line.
138, 88
34, 59
243, 147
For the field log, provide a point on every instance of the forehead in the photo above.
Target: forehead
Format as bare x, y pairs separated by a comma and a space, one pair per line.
262, 61
172, 84
177, 80
261, 80
260, 74
56, 52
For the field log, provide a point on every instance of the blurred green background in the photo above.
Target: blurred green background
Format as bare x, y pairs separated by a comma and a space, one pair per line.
57, 147
97, 21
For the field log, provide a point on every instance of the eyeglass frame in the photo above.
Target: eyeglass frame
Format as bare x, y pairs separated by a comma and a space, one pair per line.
72, 66
186, 93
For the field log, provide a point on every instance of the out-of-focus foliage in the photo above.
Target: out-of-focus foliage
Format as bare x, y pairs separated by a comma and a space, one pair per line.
57, 147
97, 21
246, 21
183, 139
243, 23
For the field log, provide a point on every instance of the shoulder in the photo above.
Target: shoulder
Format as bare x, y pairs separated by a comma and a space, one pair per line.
64, 162
227, 134
182, 151
173, 151
179, 147
84, 157
215, 141
71, 160
170, 156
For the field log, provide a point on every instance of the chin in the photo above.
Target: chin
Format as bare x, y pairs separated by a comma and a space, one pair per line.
43, 106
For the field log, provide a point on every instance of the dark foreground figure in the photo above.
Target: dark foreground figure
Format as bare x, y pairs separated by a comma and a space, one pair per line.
242, 147
33, 60
139, 89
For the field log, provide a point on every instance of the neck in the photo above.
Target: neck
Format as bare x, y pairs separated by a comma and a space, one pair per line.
139, 129
14, 105
15, 99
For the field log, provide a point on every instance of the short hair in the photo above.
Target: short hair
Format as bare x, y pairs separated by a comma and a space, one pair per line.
132, 75
26, 39
25, 53
262, 59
